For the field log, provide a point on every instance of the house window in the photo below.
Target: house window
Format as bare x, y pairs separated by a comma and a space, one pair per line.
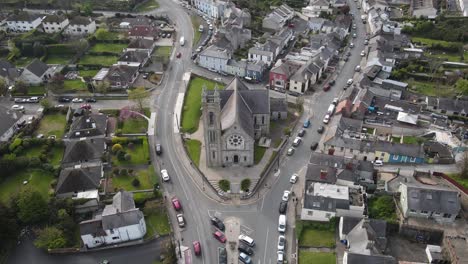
447, 215
310, 212
213, 154
424, 212
263, 120
116, 237
245, 158
412, 211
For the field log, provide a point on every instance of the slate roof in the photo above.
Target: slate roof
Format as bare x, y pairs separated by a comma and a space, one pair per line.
121, 73
321, 173
140, 44
318, 158
348, 223
80, 20
92, 227
216, 52
278, 105
143, 31
23, 16
324, 203
79, 179
83, 150
432, 199
121, 212
8, 118
287, 68
134, 56
436, 148
88, 125
368, 237
354, 258
54, 18
37, 67
8, 70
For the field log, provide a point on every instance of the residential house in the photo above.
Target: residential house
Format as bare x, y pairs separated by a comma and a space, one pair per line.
80, 25
255, 71
278, 108
320, 173
8, 72
356, 258
278, 18
119, 222
118, 76
266, 52
282, 38
214, 58
394, 85
231, 12
234, 34
280, 74
338, 3
236, 68
10, 122
54, 23
315, 24
428, 201
447, 106
423, 8
143, 31
438, 153
83, 150
141, 45
23, 21
316, 7
80, 182
212, 8
134, 58
306, 76
322, 201
36, 73
88, 125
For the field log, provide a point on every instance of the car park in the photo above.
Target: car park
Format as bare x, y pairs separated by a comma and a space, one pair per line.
301, 133
285, 195
294, 178
281, 243
283, 207
245, 249
220, 236
218, 223
320, 129
180, 220
297, 141
197, 248
158, 149
290, 151
165, 175
314, 146
244, 258
176, 204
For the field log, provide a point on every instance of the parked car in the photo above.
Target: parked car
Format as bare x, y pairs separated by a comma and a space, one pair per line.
145, 75
297, 141
218, 223
17, 108
378, 163
351, 45
294, 178
331, 83
291, 151
197, 248
91, 100
354, 26
320, 129
326, 87
301, 133
314, 146
335, 100
286, 195
181, 220
283, 207
165, 175
247, 240
357, 69
366, 42
176, 204
34, 99
349, 82
194, 56
354, 35
220, 236
222, 255
245, 249
158, 149
326, 119
179, 55
281, 243
363, 53
244, 258
64, 100
77, 100
21, 100
307, 123
280, 257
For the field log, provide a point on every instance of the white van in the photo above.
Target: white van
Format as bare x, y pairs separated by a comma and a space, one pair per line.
247, 240
331, 109
182, 41
282, 224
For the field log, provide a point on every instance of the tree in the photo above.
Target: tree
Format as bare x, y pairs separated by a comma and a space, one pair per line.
8, 226
464, 166
32, 207
3, 87
46, 103
56, 82
21, 88
87, 9
139, 95
462, 86
50, 238
79, 45
135, 182
102, 87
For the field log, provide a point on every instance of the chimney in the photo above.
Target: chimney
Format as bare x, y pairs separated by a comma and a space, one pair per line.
323, 174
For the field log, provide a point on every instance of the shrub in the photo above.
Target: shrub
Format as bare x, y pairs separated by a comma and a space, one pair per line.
127, 157
130, 171
116, 148
121, 155
245, 184
16, 143
287, 131
115, 171
124, 172
130, 145
135, 182
224, 185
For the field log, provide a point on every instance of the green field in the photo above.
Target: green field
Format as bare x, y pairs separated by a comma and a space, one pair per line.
109, 47
163, 51
146, 177
134, 125
88, 73
316, 238
430, 42
149, 5
306, 257
37, 180
431, 89
258, 153
193, 148
52, 124
196, 22
74, 86
192, 103
139, 155
103, 34
58, 59
98, 60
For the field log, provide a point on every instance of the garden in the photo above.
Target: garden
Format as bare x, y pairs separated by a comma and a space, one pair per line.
306, 257
145, 6
458, 178
109, 47
133, 179
130, 151
36, 179
259, 152
382, 207
74, 86
192, 103
316, 234
89, 59
52, 124
129, 122
157, 221
193, 148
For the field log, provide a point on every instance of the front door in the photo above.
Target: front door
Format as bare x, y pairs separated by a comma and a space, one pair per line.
236, 159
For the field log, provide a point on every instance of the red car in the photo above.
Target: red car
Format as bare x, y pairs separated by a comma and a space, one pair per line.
176, 204
197, 248
86, 106
179, 54
291, 25
220, 236
326, 87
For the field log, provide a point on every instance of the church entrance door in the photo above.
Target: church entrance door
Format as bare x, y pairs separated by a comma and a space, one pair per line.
236, 159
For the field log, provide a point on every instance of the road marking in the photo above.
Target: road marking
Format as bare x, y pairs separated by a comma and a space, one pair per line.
246, 230
261, 207
266, 243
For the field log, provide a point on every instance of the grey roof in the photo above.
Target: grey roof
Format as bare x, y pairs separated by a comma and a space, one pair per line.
23, 16
324, 203
134, 56
92, 227
258, 66
8, 118
121, 212
321, 173
348, 223
121, 73
354, 258
328, 160
140, 43
368, 237
83, 150
410, 150
54, 18
37, 67
432, 199
278, 105
454, 105
379, 226
8, 70
439, 149
79, 179
216, 52
80, 20
88, 125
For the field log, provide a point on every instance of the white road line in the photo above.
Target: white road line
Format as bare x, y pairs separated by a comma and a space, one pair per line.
266, 243
261, 207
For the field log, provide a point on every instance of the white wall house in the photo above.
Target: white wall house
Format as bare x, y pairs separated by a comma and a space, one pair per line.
36, 72
23, 21
316, 7
81, 26
54, 23
119, 222
212, 8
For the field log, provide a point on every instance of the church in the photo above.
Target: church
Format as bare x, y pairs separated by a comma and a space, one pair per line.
233, 119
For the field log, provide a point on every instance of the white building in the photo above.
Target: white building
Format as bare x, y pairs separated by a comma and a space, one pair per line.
54, 23
212, 8
316, 7
36, 73
23, 21
81, 26
463, 7
119, 222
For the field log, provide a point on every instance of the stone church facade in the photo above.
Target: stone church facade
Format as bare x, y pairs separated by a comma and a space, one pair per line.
233, 119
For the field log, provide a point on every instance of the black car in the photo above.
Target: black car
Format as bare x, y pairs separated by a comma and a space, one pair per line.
246, 249
314, 146
345, 58
194, 56
158, 149
218, 223
91, 100
320, 130
283, 207
64, 100
222, 255
332, 82
301, 133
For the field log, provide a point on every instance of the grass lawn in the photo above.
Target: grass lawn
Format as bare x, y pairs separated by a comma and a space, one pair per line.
163, 51
396, 139
57, 155
146, 6
33, 90
139, 154
193, 148
429, 42
102, 34
52, 124
316, 238
99, 60
258, 153
156, 219
23, 61
196, 22
192, 103
457, 178
370, 130
38, 180
306, 257
108, 47
74, 86
146, 177
431, 89
382, 207
454, 57
88, 73
413, 140
134, 125
58, 59
54, 156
